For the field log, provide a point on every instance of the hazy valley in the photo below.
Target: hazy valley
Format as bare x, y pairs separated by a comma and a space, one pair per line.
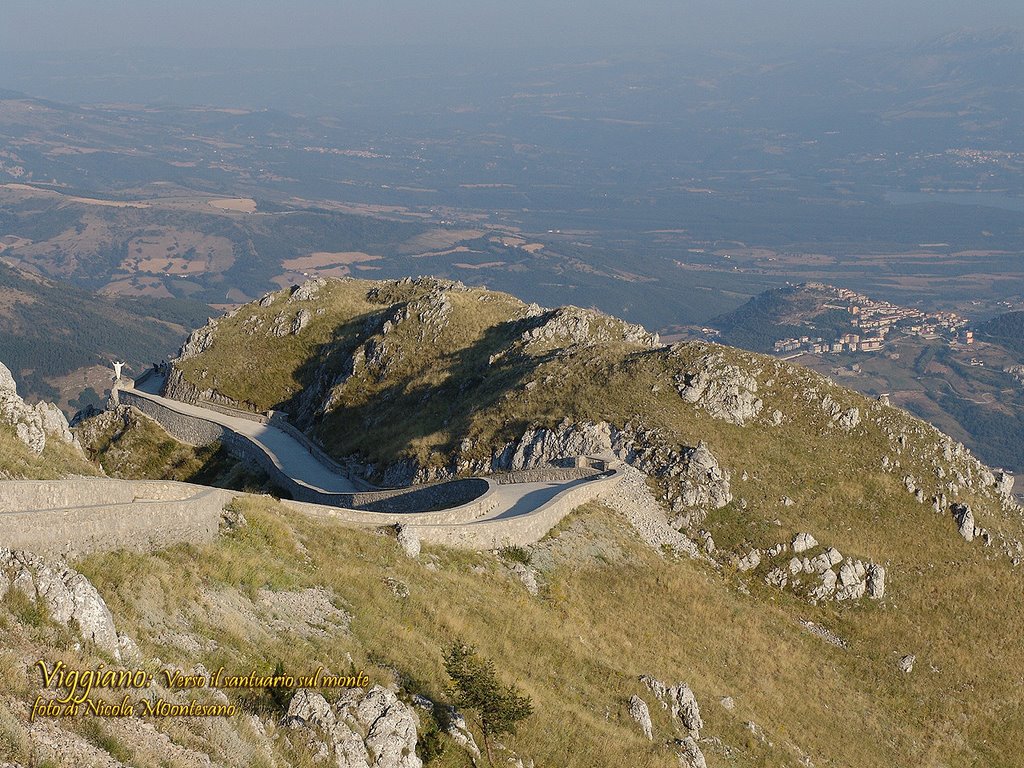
650, 407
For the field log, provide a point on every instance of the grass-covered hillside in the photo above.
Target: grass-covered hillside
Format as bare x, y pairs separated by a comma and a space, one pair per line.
18, 462
286, 589
796, 650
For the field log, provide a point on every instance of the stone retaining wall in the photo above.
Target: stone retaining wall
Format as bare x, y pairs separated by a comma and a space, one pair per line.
99, 515
187, 429
545, 475
27, 495
467, 527
523, 529
479, 507
76, 517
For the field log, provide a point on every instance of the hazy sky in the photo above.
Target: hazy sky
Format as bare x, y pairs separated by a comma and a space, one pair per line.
43, 25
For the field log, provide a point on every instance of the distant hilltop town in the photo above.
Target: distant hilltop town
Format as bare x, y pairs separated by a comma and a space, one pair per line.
871, 324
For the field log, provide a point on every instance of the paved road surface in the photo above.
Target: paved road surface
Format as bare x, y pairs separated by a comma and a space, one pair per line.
297, 462
513, 499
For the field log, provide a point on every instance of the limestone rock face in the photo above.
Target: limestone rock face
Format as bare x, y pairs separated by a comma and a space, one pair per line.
845, 419
363, 729
706, 484
804, 541
690, 755
301, 321
876, 581
408, 540
964, 518
642, 715
308, 290
198, 341
725, 391
541, 446
32, 423
66, 593
1004, 483
697, 481
679, 699
586, 327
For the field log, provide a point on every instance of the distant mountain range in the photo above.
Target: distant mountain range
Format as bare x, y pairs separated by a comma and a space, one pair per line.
59, 340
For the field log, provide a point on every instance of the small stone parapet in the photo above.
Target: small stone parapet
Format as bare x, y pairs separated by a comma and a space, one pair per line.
469, 526
76, 517
198, 431
520, 530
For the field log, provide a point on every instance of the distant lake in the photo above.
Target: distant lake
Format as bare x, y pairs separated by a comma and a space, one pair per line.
987, 199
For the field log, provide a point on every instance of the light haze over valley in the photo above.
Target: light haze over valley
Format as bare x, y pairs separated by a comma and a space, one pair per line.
598, 383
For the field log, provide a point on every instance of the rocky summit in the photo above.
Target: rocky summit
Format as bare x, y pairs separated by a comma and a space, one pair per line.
776, 555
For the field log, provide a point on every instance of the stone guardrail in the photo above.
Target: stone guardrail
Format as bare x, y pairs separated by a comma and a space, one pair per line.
76, 517
469, 527
195, 430
520, 530
469, 512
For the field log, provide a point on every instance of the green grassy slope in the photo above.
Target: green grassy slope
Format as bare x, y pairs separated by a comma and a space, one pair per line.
428, 372
58, 459
608, 611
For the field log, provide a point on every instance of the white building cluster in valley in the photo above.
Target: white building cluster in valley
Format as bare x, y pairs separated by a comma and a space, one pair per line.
873, 323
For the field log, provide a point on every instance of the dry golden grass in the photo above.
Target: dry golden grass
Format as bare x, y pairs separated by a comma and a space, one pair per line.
951, 603
236, 204
606, 617
58, 460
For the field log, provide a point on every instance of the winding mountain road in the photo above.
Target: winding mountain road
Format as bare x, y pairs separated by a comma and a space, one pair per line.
294, 459
507, 500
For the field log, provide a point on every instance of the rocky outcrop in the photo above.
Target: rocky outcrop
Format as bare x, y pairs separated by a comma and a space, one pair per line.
527, 577
363, 729
679, 700
408, 540
724, 391
846, 419
308, 291
705, 485
690, 755
287, 325
685, 712
691, 477
642, 715
67, 595
32, 423
964, 519
198, 341
585, 327
177, 387
804, 541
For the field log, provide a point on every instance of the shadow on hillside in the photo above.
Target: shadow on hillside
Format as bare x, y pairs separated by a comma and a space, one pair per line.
404, 412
